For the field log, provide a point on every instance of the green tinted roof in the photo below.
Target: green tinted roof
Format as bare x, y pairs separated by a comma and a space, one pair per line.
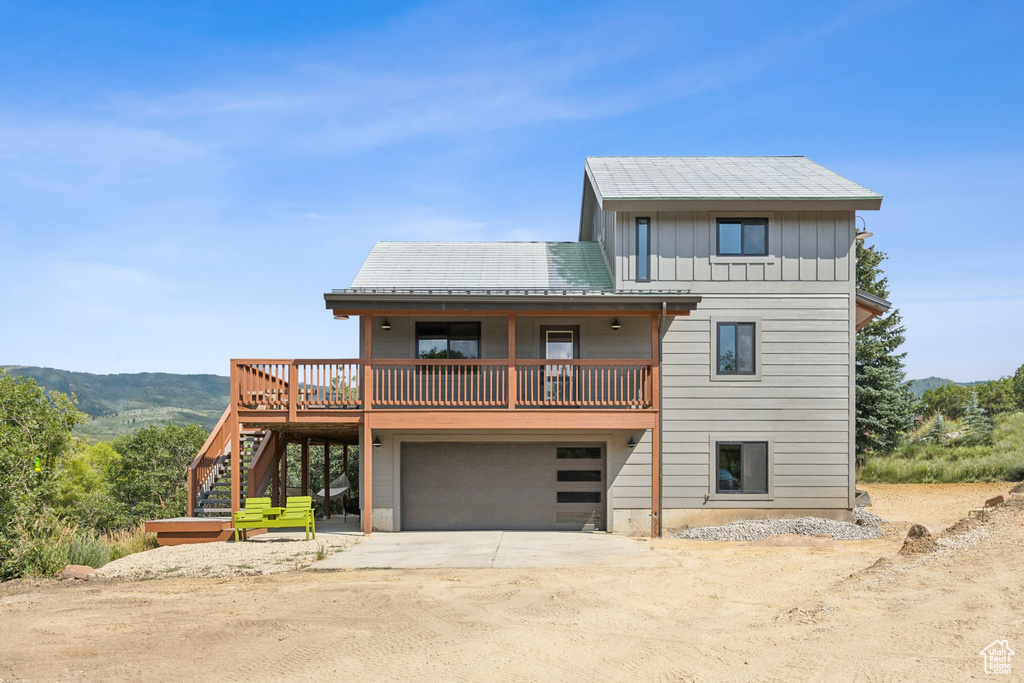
484, 265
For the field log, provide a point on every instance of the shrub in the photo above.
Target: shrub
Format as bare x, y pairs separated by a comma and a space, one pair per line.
86, 549
122, 542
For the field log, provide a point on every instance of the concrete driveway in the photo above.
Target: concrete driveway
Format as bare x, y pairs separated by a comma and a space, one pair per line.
498, 549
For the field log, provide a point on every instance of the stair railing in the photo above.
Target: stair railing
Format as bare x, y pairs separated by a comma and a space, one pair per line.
203, 468
261, 467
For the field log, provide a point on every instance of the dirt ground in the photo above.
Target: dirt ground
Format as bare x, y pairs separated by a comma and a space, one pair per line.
725, 612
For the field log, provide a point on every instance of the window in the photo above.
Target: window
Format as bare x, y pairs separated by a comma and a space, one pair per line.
742, 467
742, 236
736, 348
579, 496
643, 249
447, 340
579, 475
579, 453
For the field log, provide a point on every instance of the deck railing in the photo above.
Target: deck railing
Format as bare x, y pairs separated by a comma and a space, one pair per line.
583, 383
442, 383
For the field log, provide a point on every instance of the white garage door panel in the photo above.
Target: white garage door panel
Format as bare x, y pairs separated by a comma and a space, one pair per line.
492, 486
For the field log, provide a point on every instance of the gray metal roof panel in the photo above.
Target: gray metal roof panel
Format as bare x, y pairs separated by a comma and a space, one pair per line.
703, 178
484, 265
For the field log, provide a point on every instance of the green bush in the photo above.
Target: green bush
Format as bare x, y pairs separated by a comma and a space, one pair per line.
86, 549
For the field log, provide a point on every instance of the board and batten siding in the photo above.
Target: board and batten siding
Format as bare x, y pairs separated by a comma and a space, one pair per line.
803, 246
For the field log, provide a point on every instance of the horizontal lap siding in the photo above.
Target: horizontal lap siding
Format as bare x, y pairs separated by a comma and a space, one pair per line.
802, 401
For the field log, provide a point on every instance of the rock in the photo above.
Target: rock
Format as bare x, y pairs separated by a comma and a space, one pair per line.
77, 571
918, 531
992, 502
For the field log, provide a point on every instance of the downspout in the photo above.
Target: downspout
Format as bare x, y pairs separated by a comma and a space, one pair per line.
661, 445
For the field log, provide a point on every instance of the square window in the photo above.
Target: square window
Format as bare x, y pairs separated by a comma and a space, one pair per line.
742, 467
742, 236
737, 348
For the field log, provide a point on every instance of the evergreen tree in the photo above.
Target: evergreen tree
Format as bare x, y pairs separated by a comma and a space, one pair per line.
937, 432
885, 406
979, 426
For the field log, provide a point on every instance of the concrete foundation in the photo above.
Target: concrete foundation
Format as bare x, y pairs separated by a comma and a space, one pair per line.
631, 522
383, 519
680, 520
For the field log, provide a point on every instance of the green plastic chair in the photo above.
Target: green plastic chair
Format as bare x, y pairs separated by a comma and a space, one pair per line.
253, 516
298, 511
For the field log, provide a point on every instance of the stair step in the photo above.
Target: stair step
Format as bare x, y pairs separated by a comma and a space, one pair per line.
216, 501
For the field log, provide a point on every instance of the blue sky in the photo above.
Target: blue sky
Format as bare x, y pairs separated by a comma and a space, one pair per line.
180, 182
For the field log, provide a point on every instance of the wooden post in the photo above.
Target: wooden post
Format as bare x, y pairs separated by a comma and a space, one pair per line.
366, 474
327, 480
275, 481
367, 367
656, 429
512, 379
344, 496
293, 390
305, 465
190, 510
234, 434
283, 496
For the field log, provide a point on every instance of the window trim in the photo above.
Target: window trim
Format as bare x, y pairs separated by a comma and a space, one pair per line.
738, 437
742, 220
646, 221
448, 337
717, 320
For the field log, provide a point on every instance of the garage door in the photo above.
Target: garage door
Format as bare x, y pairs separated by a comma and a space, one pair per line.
532, 486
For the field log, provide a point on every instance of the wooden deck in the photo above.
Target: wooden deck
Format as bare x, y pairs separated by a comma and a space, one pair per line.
181, 530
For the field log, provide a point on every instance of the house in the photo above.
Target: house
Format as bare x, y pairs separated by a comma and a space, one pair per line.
689, 360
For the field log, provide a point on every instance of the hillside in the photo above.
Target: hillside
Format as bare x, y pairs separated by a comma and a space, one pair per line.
919, 386
122, 403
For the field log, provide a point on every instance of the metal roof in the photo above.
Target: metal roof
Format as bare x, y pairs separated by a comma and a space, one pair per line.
875, 303
633, 183
540, 266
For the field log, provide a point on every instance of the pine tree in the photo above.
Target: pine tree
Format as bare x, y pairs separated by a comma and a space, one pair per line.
979, 426
937, 432
885, 406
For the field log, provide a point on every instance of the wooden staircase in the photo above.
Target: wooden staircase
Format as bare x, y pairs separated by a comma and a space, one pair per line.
213, 499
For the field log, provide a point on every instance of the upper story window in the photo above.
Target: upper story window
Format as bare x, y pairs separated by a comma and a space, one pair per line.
448, 340
736, 348
742, 236
643, 249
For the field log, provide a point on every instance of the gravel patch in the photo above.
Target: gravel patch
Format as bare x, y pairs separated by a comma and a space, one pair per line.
867, 526
266, 554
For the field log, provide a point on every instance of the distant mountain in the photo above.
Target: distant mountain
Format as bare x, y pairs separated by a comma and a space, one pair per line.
120, 404
919, 386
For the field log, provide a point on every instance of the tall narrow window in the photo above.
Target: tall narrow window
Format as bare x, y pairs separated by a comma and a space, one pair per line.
643, 249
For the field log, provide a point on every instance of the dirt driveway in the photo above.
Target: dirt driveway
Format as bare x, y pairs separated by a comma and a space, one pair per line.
722, 612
